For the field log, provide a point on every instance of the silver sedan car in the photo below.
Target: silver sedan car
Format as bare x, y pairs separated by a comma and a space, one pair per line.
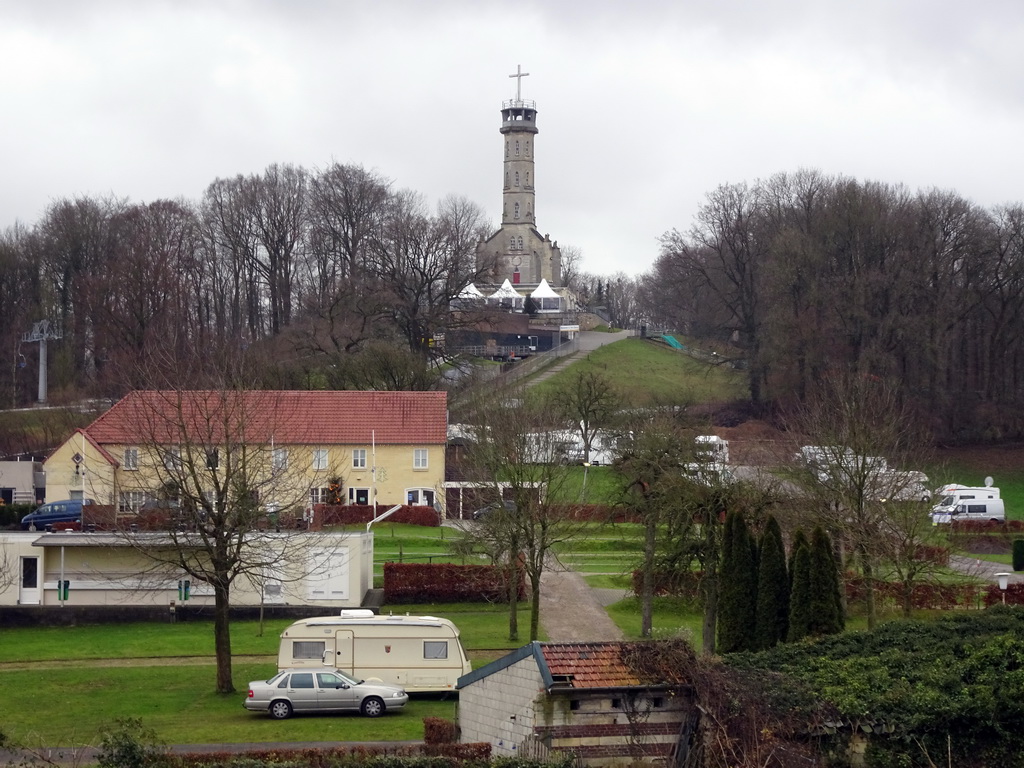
324, 691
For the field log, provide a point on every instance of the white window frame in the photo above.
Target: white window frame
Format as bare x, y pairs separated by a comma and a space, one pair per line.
420, 459
321, 459
418, 497
358, 458
130, 501
278, 459
172, 459
131, 458
319, 495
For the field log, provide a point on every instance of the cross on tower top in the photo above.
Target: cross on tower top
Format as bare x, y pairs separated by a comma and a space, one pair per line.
519, 75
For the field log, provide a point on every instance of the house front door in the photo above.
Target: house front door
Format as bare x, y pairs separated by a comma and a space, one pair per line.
30, 592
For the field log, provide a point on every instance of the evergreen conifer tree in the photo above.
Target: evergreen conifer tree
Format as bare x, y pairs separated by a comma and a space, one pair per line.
800, 592
825, 605
773, 586
737, 602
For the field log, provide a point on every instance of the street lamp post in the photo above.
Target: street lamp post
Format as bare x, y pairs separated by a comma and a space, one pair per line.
583, 490
1004, 582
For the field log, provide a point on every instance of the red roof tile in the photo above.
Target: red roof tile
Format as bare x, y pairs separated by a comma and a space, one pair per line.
588, 665
285, 417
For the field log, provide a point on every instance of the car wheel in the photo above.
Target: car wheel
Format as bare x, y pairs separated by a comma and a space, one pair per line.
280, 710
372, 707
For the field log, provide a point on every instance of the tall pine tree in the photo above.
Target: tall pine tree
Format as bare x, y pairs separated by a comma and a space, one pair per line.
772, 622
800, 591
737, 602
825, 601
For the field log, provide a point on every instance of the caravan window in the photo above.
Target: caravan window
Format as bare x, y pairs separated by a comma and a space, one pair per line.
435, 649
308, 649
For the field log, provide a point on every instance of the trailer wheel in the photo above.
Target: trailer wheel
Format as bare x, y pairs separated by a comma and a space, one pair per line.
372, 706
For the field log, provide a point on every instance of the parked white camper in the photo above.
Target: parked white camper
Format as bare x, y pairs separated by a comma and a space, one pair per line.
418, 653
712, 448
963, 502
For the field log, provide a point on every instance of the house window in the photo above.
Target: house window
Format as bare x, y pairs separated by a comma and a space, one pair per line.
308, 649
358, 458
131, 458
279, 460
319, 495
418, 497
212, 458
319, 459
130, 501
574, 705
359, 496
172, 459
419, 458
435, 649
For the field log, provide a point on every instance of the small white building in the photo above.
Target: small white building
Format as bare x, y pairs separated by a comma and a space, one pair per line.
572, 697
103, 568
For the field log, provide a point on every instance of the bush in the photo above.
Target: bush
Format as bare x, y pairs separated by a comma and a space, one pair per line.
11, 514
129, 745
446, 583
350, 514
1018, 554
437, 730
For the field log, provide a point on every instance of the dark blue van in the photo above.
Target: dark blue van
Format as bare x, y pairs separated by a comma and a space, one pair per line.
67, 511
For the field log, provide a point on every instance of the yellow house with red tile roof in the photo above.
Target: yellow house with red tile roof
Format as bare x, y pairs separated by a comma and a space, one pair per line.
303, 448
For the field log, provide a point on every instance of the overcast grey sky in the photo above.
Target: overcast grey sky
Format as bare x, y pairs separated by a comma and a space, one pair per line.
643, 107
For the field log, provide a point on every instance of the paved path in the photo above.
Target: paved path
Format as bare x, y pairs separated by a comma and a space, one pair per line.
983, 569
570, 611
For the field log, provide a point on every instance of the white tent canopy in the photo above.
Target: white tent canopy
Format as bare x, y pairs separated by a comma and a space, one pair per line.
547, 300
506, 292
470, 292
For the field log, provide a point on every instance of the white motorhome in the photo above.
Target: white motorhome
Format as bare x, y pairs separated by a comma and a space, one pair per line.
712, 448
420, 653
964, 502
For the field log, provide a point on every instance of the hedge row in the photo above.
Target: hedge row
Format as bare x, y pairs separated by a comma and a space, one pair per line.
430, 756
986, 526
447, 583
923, 596
350, 514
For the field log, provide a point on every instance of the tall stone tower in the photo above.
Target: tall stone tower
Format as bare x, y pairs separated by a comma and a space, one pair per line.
518, 251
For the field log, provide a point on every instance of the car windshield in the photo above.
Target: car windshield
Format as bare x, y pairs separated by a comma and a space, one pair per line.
347, 678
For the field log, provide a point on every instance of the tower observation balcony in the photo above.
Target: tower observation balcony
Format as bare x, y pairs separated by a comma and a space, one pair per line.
519, 115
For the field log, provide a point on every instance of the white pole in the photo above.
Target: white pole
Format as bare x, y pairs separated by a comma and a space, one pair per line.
373, 471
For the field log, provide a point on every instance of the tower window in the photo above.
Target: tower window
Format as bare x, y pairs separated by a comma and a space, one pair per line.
506, 149
519, 244
527, 149
512, 244
517, 149
527, 178
516, 211
517, 178
506, 178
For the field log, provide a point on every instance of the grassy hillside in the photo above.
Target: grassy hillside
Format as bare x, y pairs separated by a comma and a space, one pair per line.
649, 373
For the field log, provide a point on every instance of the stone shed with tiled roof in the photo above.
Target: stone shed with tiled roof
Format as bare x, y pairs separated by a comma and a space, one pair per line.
388, 443
580, 697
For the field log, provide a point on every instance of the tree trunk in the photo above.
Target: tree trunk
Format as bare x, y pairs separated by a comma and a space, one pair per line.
222, 637
647, 588
534, 606
513, 600
868, 572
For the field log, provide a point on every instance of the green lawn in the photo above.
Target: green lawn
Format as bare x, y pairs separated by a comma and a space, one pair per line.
69, 706
668, 376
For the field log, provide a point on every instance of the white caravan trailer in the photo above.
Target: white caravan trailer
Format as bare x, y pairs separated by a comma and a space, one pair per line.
419, 653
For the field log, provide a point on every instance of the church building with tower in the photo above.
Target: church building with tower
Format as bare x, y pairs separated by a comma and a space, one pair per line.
517, 251
521, 268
